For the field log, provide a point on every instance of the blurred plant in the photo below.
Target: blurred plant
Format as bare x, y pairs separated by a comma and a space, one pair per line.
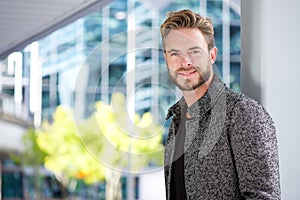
100, 147
130, 145
33, 156
66, 156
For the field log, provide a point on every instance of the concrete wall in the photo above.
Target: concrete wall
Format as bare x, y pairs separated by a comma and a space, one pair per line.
11, 136
271, 74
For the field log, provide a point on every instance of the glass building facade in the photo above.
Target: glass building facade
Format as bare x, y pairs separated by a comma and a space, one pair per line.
115, 49
122, 39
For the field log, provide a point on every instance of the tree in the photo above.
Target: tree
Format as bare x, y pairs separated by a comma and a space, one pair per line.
101, 147
66, 156
130, 145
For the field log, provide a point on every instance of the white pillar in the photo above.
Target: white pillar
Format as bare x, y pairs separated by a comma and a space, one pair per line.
35, 87
130, 89
270, 73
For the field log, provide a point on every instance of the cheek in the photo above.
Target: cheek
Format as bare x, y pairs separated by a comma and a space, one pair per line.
199, 62
172, 64
202, 61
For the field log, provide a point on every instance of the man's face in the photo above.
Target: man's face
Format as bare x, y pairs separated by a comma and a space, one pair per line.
187, 57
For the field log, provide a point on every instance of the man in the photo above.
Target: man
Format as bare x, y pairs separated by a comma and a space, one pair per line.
221, 144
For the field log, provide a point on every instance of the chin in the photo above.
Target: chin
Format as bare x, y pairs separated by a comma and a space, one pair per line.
189, 87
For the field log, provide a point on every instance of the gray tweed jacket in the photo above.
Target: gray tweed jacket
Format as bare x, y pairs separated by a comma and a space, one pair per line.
230, 148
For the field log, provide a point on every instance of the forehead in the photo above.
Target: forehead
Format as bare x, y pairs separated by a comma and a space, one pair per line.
185, 38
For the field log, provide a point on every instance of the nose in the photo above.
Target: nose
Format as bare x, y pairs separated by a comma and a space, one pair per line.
186, 60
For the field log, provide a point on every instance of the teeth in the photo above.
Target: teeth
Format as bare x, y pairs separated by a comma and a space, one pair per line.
186, 73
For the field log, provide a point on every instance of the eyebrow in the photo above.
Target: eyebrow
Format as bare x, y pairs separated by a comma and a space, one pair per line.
173, 50
196, 47
189, 49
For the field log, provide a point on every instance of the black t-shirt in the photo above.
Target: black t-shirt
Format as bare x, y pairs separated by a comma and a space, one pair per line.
178, 191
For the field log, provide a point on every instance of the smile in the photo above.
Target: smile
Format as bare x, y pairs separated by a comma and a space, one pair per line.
187, 73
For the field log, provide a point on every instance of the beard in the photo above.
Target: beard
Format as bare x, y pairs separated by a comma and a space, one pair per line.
190, 84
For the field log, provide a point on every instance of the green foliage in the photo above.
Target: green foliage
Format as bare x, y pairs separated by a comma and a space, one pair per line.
89, 150
139, 139
32, 155
66, 154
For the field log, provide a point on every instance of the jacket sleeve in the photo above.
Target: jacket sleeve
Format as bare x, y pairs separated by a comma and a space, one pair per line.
255, 151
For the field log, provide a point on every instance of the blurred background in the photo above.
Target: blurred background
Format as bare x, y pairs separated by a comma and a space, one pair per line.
65, 67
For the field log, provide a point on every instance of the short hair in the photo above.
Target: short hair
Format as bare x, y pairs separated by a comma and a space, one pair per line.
188, 19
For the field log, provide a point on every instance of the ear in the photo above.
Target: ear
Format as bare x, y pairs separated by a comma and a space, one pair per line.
213, 55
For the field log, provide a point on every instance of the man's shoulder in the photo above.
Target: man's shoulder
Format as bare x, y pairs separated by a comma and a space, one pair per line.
243, 106
239, 98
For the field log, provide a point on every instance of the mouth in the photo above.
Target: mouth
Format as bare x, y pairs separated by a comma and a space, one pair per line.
187, 74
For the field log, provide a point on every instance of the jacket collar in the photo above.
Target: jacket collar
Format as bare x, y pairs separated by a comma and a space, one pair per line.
203, 104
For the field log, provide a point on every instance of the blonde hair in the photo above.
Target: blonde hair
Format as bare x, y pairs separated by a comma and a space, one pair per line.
188, 19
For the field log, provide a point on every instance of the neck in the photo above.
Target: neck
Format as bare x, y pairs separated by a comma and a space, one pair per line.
194, 95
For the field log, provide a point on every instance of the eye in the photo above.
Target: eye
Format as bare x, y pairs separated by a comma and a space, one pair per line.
174, 54
195, 52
